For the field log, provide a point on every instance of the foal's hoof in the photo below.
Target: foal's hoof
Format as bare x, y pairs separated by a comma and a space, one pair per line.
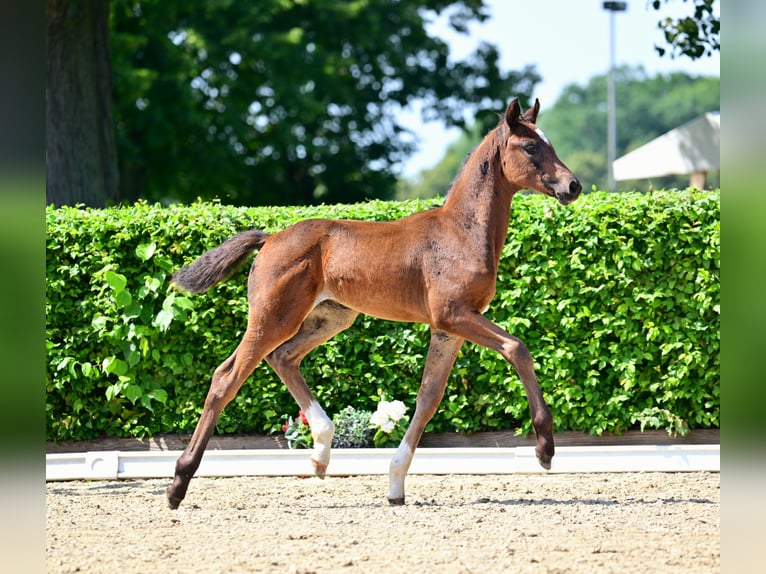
396, 501
320, 470
544, 460
173, 501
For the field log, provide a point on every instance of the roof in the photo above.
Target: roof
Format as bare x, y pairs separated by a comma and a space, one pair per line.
694, 146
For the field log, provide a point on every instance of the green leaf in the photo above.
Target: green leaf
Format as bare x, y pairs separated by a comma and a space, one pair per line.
63, 363
134, 357
151, 285
164, 319
133, 393
115, 280
158, 395
145, 251
88, 370
132, 310
112, 391
114, 366
123, 298
167, 303
184, 303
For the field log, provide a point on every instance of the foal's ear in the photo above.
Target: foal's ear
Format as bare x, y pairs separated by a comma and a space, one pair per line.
531, 114
513, 112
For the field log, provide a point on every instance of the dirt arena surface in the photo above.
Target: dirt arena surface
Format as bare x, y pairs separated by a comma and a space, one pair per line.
632, 522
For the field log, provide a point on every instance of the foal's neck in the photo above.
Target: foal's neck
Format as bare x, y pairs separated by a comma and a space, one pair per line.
480, 199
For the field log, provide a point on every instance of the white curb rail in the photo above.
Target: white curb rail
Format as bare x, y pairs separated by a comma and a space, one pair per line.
110, 465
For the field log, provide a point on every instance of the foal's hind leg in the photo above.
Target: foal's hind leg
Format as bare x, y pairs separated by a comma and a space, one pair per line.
227, 380
265, 331
441, 356
324, 322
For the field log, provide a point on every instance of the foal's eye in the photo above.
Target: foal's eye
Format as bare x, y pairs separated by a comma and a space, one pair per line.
530, 147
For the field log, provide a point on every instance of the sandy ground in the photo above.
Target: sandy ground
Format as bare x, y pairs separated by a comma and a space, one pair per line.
636, 522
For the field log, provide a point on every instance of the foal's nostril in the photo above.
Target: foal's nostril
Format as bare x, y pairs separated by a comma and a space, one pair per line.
574, 186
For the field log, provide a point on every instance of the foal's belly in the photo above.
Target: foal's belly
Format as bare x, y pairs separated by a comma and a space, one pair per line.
382, 301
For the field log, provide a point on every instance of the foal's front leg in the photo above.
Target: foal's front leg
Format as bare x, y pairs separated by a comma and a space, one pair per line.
478, 329
441, 356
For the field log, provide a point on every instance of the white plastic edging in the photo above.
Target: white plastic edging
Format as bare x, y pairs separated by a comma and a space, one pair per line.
110, 465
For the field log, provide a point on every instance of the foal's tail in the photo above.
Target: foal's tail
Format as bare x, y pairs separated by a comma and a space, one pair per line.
219, 263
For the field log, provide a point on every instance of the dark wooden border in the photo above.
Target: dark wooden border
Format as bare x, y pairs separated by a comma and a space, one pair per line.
432, 440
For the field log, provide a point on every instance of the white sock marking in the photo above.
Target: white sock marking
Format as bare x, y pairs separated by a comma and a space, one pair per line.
321, 430
400, 464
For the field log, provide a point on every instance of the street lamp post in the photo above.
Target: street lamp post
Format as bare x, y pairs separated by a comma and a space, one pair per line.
611, 99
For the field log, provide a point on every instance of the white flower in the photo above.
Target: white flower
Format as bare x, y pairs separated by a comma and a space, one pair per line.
388, 414
379, 418
396, 410
387, 426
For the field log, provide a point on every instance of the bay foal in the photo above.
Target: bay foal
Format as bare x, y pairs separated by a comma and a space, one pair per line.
438, 267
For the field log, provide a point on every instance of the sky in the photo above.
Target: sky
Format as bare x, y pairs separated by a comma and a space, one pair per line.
567, 41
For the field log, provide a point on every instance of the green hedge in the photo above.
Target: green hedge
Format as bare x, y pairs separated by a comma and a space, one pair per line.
616, 297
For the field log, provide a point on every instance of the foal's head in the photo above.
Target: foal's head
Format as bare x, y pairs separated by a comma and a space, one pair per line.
528, 159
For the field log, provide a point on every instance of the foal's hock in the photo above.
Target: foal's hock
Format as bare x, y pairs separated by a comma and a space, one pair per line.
438, 267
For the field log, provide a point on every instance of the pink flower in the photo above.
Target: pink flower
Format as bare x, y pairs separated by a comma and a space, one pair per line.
285, 427
303, 418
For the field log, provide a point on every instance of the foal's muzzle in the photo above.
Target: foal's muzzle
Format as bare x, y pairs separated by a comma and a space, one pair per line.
567, 195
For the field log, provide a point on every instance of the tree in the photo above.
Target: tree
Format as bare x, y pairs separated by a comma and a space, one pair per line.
649, 107
275, 102
80, 145
693, 36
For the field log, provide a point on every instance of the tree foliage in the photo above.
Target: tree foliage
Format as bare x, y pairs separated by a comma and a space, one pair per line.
286, 102
693, 36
